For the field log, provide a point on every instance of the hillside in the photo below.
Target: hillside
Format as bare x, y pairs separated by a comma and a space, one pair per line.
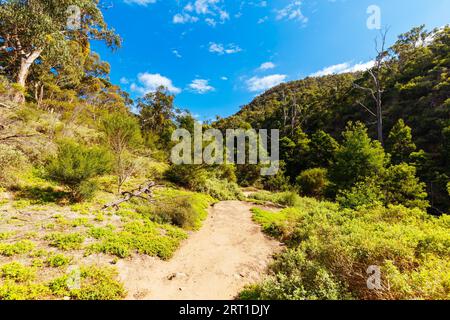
416, 87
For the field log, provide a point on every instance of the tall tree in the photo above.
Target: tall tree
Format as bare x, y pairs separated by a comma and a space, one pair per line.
156, 111
376, 89
30, 29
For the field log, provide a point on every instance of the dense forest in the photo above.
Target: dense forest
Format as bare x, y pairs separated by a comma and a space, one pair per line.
71, 142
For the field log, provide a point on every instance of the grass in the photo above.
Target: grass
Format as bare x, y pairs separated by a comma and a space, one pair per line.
65, 242
58, 260
288, 198
147, 237
20, 247
95, 284
17, 282
17, 272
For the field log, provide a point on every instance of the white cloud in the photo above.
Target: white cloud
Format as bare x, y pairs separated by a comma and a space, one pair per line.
149, 82
343, 68
263, 19
124, 80
201, 86
210, 8
224, 78
177, 54
221, 49
264, 83
140, 2
183, 18
267, 66
292, 12
211, 22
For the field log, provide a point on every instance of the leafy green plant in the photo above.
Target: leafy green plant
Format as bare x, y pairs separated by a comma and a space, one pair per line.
17, 272
65, 241
75, 165
58, 260
313, 182
96, 283
20, 247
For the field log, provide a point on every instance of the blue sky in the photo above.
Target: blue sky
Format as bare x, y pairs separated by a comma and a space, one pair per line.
217, 55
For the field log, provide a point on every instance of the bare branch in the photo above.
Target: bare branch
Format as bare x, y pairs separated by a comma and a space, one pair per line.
370, 111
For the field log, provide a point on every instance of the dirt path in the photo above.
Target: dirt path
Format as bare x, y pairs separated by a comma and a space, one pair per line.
229, 252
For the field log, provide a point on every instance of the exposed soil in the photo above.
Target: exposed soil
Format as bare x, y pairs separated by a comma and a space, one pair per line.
229, 252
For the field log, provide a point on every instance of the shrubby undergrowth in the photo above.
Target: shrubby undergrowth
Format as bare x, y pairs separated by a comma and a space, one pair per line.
330, 249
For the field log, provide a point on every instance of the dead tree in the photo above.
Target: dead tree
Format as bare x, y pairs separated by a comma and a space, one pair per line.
145, 192
377, 89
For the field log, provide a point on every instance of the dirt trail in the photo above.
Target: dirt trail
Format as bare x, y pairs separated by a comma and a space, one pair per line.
229, 252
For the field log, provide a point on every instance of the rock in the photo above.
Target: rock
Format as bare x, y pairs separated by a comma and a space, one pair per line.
177, 275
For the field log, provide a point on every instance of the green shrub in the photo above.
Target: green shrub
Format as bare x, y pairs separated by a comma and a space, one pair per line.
58, 260
11, 290
17, 272
296, 278
219, 189
313, 182
11, 160
180, 208
401, 186
95, 284
144, 237
363, 194
75, 165
21, 247
330, 248
289, 198
62, 241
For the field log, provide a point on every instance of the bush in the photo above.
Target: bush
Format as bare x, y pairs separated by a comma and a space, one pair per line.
17, 272
401, 186
184, 209
75, 165
313, 182
364, 194
10, 161
330, 248
296, 278
65, 241
278, 182
96, 284
219, 189
288, 198
199, 179
58, 260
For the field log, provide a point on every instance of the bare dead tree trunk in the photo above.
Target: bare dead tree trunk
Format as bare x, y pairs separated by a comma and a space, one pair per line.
377, 91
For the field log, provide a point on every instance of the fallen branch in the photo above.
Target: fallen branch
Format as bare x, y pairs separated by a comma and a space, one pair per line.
146, 189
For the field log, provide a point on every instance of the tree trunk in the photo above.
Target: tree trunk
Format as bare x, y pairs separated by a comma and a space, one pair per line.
380, 125
24, 70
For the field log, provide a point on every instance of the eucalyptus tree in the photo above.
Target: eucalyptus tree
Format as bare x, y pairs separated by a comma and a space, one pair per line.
31, 30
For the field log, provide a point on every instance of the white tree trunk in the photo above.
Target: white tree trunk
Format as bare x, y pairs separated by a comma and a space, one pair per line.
24, 70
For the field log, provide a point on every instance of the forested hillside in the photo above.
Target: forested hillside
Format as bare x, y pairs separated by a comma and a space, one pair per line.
415, 82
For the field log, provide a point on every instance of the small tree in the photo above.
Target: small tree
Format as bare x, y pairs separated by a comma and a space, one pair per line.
313, 182
359, 157
399, 143
75, 165
323, 148
122, 134
401, 186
